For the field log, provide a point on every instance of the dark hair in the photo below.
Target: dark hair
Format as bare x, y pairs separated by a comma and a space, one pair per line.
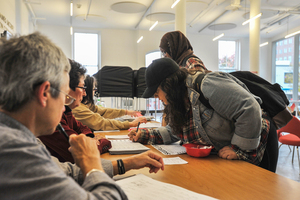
89, 84
176, 94
76, 72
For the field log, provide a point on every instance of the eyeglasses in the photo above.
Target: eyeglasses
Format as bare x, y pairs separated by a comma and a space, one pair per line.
84, 87
163, 54
95, 89
69, 100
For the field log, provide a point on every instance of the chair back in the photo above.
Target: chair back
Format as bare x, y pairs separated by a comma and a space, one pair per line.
292, 127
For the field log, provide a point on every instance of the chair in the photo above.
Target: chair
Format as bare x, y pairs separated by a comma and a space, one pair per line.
293, 138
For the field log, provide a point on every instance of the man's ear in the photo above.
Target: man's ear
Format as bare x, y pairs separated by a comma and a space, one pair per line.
43, 93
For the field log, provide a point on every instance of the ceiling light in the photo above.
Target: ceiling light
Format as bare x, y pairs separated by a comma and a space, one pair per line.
263, 44
174, 4
140, 39
152, 27
219, 36
71, 30
253, 18
71, 8
290, 35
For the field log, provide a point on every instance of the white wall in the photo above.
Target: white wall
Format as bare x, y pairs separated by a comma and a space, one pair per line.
7, 9
60, 35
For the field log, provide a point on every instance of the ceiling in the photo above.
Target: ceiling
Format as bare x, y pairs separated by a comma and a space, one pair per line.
207, 17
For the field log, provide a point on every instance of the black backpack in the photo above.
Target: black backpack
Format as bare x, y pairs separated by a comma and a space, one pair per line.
274, 99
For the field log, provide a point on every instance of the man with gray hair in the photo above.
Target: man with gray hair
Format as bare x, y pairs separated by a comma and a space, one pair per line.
34, 82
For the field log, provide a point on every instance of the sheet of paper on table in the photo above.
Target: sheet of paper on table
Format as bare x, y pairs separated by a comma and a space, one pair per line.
142, 187
174, 161
116, 137
150, 125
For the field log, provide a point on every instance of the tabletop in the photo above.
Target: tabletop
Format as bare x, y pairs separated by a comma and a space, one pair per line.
220, 178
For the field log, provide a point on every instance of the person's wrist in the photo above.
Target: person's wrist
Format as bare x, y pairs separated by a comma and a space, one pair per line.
121, 166
93, 170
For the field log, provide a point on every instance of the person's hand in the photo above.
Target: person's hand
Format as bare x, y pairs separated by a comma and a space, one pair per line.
134, 136
134, 113
85, 153
135, 122
146, 159
227, 153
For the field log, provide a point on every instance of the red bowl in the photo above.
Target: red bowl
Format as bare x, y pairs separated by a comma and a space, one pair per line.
197, 150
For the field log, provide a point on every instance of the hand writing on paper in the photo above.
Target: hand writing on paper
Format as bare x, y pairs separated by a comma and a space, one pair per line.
227, 153
146, 159
134, 136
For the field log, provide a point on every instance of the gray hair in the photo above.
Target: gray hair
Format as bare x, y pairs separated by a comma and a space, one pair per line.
25, 63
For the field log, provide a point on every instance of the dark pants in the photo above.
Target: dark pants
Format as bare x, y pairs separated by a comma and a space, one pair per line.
270, 158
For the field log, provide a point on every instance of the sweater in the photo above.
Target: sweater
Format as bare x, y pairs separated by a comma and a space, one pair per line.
100, 118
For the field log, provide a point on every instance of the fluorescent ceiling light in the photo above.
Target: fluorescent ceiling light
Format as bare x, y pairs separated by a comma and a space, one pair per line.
174, 4
152, 27
263, 44
253, 18
71, 30
290, 35
219, 36
140, 39
71, 8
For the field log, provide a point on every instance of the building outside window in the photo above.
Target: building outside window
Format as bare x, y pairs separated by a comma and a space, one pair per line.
228, 54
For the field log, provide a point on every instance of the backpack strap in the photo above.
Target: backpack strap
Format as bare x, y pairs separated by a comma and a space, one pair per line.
197, 87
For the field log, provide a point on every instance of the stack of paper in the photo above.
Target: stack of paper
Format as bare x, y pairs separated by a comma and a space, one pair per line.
170, 149
126, 147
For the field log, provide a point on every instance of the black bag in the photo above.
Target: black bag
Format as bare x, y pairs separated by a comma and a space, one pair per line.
274, 99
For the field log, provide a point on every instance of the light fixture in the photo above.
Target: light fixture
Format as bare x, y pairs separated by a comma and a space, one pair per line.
218, 37
140, 39
175, 3
71, 8
292, 34
253, 18
71, 30
152, 27
263, 44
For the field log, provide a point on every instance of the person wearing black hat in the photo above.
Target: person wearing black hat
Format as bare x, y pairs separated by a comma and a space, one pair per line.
233, 122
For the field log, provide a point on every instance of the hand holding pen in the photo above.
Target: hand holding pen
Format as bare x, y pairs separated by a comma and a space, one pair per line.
135, 134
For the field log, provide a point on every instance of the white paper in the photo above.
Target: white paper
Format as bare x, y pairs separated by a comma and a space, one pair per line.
170, 149
141, 187
126, 147
107, 131
150, 125
116, 137
174, 161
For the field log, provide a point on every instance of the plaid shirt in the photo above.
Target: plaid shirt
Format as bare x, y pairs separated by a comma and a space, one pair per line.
195, 63
190, 135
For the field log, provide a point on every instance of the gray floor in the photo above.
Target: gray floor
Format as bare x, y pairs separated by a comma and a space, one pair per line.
285, 167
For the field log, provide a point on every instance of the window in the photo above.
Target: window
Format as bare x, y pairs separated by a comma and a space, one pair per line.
286, 70
86, 51
285, 50
285, 41
228, 56
280, 51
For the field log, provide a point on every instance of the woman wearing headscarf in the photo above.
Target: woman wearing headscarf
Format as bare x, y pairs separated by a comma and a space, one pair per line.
176, 46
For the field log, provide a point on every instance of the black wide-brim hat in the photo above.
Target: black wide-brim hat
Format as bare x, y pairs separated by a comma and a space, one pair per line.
156, 72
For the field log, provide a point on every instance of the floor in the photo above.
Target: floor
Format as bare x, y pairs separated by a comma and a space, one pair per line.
285, 167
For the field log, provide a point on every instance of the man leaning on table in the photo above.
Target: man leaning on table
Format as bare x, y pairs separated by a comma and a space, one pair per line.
34, 80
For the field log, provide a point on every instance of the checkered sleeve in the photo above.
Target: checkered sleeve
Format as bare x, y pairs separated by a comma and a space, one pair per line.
255, 156
150, 137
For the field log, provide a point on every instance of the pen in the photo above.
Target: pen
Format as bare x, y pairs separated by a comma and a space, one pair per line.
137, 128
62, 130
